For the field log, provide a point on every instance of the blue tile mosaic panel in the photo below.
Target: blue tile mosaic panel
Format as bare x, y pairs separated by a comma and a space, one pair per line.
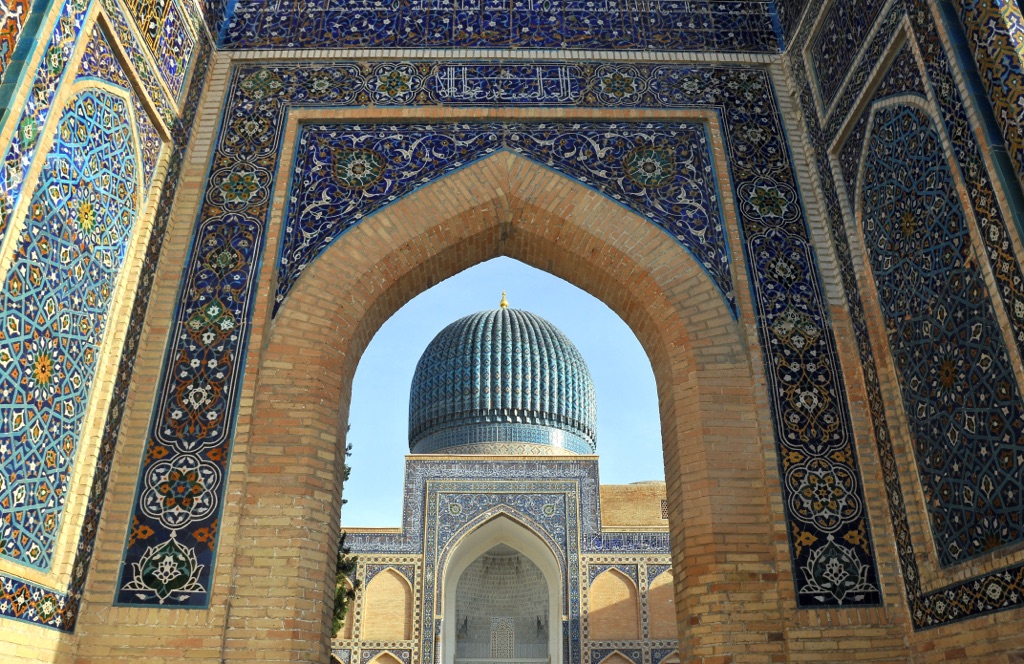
214, 13
995, 31
166, 28
26, 601
192, 427
903, 77
959, 392
18, 154
56, 299
837, 42
661, 170
788, 13
986, 593
656, 25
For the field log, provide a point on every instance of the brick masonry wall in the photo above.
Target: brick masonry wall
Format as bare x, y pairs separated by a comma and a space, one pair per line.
614, 611
632, 505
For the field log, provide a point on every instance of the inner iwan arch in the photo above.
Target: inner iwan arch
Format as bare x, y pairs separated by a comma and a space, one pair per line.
506, 205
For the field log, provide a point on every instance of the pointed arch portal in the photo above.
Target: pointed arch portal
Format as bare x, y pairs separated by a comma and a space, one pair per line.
503, 205
770, 375
506, 556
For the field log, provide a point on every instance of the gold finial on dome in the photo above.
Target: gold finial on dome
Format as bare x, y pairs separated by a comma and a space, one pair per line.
504, 302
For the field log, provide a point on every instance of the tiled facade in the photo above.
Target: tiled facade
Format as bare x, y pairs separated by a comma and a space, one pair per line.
842, 201
921, 73
557, 498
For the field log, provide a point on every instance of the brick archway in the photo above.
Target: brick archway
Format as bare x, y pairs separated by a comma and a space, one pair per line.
503, 205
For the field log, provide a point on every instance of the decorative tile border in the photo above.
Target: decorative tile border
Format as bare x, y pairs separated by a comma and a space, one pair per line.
666, 25
989, 592
165, 27
196, 410
661, 170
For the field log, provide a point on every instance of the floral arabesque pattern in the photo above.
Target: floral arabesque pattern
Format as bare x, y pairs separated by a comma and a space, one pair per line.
662, 171
696, 25
165, 27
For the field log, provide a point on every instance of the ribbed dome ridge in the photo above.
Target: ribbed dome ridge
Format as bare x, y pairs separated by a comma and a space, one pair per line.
501, 376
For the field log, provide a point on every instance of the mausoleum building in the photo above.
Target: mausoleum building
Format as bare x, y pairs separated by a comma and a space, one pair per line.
505, 554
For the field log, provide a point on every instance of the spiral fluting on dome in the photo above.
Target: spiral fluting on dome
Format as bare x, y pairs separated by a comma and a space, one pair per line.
498, 377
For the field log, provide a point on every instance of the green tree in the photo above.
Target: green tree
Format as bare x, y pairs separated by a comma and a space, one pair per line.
343, 593
346, 568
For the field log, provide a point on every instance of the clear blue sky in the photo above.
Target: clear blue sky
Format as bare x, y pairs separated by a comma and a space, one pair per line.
628, 427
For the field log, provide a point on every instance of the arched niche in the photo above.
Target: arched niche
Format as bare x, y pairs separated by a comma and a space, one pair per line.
385, 658
503, 205
387, 608
614, 613
661, 609
501, 530
616, 658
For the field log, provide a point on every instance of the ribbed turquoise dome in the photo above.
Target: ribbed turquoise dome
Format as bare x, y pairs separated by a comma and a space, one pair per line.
501, 376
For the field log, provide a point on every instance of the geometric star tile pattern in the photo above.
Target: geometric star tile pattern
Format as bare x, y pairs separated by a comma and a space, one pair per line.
56, 300
22, 600
985, 593
170, 553
959, 392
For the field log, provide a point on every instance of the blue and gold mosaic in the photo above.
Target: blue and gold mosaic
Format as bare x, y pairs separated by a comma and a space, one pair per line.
830, 537
18, 154
995, 31
167, 29
668, 25
959, 392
